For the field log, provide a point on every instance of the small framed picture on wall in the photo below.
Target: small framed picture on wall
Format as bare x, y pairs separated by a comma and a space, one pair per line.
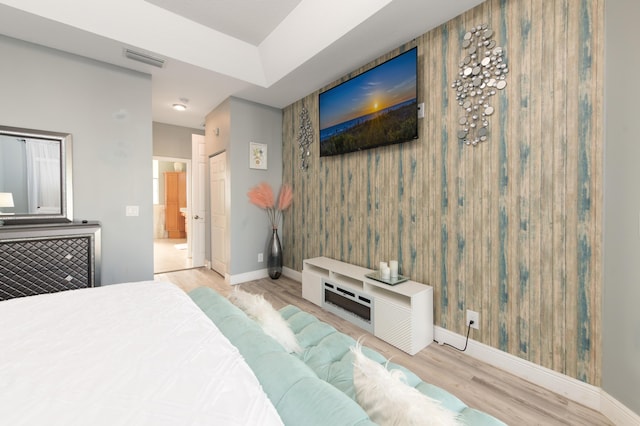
257, 156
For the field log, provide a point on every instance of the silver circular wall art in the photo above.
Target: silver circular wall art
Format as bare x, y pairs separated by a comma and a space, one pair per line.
482, 72
305, 138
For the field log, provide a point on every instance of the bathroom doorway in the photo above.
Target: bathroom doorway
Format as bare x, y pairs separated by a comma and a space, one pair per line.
171, 233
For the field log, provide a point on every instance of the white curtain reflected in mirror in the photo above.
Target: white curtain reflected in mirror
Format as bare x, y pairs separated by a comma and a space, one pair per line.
43, 176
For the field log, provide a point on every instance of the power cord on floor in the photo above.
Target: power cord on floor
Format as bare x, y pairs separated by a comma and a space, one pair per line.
465, 343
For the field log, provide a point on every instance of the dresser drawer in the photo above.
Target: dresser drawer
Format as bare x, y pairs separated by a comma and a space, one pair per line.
48, 259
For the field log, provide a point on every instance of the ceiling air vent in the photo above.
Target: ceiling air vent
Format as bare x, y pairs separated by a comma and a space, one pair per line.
144, 57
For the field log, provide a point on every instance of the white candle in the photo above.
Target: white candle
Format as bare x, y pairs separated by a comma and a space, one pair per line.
383, 265
393, 265
385, 273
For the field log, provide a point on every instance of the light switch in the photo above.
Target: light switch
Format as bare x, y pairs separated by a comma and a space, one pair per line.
132, 211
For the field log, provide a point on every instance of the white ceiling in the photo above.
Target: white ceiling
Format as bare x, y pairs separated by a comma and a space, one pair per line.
268, 51
248, 20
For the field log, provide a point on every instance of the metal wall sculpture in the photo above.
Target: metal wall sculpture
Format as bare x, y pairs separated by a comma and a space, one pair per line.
483, 70
305, 137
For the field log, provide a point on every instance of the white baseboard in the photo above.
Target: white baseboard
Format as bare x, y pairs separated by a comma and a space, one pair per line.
259, 274
248, 276
566, 386
573, 389
293, 274
617, 412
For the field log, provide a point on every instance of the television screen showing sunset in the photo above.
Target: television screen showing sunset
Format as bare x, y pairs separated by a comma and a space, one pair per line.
377, 107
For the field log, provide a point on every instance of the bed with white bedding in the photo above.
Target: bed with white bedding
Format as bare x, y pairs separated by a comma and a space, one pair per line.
127, 354
148, 354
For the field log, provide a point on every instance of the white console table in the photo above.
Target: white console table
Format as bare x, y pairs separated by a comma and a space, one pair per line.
402, 313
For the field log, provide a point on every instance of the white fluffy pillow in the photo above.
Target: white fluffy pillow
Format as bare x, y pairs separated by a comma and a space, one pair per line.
388, 400
272, 323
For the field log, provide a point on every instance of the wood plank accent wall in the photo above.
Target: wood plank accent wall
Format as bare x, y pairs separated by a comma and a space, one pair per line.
511, 228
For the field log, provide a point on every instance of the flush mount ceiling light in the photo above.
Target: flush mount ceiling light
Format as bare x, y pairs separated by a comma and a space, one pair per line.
182, 105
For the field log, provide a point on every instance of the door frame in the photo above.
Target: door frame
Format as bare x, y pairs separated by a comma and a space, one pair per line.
188, 171
198, 183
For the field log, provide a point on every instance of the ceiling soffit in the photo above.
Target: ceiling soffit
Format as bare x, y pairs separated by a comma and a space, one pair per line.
146, 26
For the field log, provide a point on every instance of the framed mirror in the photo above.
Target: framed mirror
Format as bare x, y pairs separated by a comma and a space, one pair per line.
35, 176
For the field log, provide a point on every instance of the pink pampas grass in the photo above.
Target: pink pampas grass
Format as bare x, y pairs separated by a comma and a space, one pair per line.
261, 195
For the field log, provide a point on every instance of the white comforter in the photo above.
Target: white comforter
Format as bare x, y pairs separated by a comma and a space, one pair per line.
126, 354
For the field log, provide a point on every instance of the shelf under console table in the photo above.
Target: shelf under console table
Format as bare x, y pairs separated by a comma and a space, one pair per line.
401, 315
36, 259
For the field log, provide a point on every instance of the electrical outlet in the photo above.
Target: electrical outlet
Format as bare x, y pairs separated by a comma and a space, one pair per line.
475, 317
260, 258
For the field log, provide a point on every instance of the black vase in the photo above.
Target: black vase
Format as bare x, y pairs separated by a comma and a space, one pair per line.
274, 256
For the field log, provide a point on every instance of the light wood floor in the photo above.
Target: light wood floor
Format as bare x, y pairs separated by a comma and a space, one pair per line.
166, 257
479, 385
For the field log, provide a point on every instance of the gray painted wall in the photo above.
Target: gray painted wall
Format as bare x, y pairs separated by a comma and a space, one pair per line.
108, 111
241, 122
621, 322
173, 141
250, 229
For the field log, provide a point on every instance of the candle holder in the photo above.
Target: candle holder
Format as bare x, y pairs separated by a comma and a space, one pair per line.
389, 280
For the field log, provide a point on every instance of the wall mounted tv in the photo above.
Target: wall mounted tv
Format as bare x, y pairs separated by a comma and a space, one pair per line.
375, 108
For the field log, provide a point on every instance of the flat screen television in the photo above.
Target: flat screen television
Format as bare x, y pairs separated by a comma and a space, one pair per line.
375, 108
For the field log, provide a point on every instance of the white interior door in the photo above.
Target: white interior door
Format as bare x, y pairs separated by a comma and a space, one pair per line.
197, 214
218, 186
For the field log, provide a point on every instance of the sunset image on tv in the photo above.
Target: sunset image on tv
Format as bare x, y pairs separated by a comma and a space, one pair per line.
377, 107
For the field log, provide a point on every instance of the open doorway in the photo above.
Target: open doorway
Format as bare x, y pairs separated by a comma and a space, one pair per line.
171, 233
